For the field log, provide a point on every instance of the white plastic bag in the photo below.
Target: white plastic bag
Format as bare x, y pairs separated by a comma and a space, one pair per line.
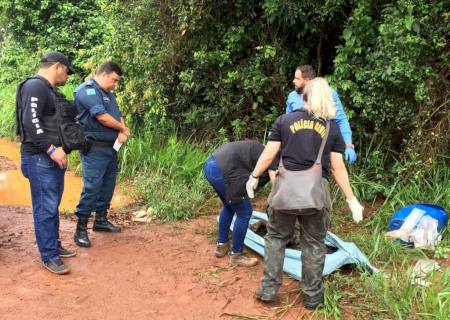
425, 235
408, 225
418, 229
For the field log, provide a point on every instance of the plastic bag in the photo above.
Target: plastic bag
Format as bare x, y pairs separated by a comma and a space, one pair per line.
419, 229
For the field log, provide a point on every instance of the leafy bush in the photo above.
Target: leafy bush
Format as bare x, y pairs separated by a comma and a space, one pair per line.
8, 107
393, 70
66, 26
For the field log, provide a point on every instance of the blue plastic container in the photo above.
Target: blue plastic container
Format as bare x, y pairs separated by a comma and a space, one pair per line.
431, 210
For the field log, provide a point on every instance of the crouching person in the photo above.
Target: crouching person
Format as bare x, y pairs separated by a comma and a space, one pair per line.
227, 170
102, 122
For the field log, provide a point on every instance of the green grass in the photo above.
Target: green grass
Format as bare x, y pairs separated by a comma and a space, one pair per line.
165, 173
389, 294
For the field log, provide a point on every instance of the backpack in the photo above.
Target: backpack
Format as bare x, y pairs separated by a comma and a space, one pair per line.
70, 130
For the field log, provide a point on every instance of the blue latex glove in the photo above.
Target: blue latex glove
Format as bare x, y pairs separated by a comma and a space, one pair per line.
350, 155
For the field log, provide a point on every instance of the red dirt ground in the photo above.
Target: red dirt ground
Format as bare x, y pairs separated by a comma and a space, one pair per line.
156, 271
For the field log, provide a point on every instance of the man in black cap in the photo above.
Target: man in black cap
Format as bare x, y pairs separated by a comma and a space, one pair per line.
43, 160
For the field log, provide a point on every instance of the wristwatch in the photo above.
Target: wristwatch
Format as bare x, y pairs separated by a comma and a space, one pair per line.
350, 145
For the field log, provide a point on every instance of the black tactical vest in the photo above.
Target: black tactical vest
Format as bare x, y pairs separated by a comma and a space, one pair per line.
61, 128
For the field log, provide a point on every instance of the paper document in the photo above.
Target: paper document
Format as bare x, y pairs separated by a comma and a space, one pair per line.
117, 145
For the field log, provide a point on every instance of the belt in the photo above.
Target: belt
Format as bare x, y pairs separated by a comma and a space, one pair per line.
98, 143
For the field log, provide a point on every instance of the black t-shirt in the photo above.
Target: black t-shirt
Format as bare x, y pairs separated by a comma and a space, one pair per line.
301, 135
237, 160
37, 101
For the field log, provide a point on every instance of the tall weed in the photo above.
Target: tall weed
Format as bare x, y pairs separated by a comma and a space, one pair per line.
167, 173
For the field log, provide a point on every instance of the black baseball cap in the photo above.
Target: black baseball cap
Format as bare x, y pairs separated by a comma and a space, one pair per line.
55, 56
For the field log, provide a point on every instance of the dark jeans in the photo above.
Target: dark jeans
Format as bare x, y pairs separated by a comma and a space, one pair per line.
280, 229
243, 208
99, 171
47, 187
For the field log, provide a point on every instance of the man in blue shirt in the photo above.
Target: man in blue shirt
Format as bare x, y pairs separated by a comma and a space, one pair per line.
294, 102
103, 124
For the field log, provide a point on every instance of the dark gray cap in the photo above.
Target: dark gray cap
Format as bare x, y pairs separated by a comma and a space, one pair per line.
55, 56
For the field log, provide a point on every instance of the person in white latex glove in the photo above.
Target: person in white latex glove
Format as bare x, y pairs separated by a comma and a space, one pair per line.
251, 186
356, 208
341, 176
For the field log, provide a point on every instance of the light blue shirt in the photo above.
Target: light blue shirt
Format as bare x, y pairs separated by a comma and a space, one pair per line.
295, 102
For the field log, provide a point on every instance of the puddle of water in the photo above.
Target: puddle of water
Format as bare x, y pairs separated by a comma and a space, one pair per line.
15, 189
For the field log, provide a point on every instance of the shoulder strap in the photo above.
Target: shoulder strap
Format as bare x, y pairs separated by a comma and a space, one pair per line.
19, 108
322, 145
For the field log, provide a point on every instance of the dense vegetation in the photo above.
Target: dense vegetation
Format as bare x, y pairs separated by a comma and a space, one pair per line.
199, 73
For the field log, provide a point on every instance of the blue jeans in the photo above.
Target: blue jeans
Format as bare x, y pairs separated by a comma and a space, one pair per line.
243, 208
99, 171
47, 187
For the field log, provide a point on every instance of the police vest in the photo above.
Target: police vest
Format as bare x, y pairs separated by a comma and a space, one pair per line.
61, 128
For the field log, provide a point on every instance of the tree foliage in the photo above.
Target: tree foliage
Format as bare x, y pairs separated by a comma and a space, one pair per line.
209, 65
393, 72
224, 68
37, 26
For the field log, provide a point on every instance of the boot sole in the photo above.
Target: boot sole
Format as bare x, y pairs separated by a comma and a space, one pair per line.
105, 230
266, 298
221, 255
65, 271
84, 245
68, 255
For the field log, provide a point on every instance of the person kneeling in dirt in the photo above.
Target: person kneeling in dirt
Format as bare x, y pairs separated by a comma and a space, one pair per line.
227, 170
43, 158
306, 137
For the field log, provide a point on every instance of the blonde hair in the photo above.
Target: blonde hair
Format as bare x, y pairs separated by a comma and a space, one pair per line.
318, 98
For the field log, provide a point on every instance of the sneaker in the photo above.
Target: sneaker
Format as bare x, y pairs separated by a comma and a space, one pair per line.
56, 266
65, 253
222, 249
265, 295
311, 303
240, 259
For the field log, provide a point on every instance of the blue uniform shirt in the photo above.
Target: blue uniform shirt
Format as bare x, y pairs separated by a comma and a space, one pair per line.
295, 101
91, 100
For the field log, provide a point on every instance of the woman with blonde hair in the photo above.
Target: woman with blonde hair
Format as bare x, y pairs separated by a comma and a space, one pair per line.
308, 139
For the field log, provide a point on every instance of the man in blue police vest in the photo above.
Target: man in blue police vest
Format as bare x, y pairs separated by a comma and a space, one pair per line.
102, 123
294, 102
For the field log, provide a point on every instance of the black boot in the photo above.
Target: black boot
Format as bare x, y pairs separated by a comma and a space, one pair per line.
101, 223
81, 235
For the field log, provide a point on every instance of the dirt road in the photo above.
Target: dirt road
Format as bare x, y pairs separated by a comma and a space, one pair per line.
158, 271
155, 271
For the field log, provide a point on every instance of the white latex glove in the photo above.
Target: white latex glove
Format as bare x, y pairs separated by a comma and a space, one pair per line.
356, 208
251, 185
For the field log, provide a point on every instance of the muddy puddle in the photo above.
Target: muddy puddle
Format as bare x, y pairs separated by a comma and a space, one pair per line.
15, 190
